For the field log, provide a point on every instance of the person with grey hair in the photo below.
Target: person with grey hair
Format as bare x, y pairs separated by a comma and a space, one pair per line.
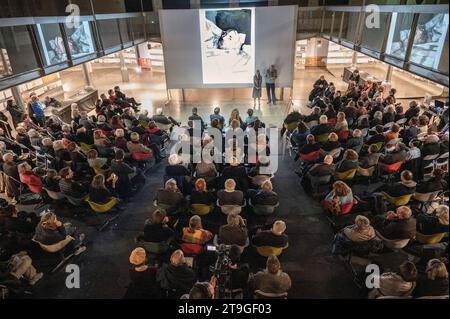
356, 141
160, 118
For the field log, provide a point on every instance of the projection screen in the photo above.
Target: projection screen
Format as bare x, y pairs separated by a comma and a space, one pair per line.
222, 48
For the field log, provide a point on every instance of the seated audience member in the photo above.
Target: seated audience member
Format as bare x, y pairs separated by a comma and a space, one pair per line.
83, 137
323, 169
156, 229
264, 196
250, 119
310, 146
340, 195
202, 290
96, 162
78, 159
423, 123
314, 116
19, 267
194, 233
404, 187
398, 155
135, 146
437, 182
170, 196
29, 178
62, 155
377, 119
23, 138
275, 237
143, 283
341, 123
349, 161
117, 123
389, 114
413, 151
291, 119
298, 137
120, 141
130, 179
322, 128
206, 169
86, 122
434, 223
444, 143
430, 146
234, 232
236, 172
18, 223
201, 195
361, 231
160, 118
102, 124
176, 167
413, 110
100, 140
355, 142
51, 180
378, 137
50, 231
68, 186
371, 159
229, 195
98, 192
410, 132
396, 225
399, 284
272, 279
331, 144
393, 133
177, 275
434, 282
121, 97
240, 272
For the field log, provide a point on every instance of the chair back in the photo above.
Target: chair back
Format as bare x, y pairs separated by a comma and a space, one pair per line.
267, 251
54, 248
426, 197
310, 157
75, 201
322, 138
190, 249
154, 248
54, 195
201, 209
393, 244
142, 157
397, 201
258, 180
347, 175
366, 172
258, 294
264, 209
102, 208
343, 135
429, 239
392, 168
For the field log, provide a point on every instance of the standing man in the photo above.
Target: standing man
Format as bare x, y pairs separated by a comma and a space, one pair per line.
270, 77
38, 109
15, 111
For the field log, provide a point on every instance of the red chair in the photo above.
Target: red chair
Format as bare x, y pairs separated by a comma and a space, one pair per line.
392, 168
310, 157
343, 135
345, 209
191, 249
107, 133
142, 157
332, 122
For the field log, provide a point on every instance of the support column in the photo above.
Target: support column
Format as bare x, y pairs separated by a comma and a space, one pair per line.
157, 5
354, 59
387, 80
17, 96
123, 68
195, 4
86, 75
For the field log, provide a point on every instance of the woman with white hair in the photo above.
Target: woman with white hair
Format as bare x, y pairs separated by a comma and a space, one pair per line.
434, 282
176, 167
361, 230
377, 119
35, 138
323, 127
264, 196
434, 223
230, 196
23, 138
274, 237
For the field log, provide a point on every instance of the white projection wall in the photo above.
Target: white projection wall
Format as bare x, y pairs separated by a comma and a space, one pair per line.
222, 48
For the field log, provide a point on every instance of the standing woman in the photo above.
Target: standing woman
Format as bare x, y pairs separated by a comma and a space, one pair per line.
257, 82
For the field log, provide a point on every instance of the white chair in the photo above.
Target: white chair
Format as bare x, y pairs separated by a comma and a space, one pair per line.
231, 209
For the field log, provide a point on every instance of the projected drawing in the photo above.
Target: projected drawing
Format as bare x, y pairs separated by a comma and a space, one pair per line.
227, 45
80, 40
428, 40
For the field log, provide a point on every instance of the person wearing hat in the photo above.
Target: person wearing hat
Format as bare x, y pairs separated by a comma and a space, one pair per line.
275, 237
434, 223
143, 283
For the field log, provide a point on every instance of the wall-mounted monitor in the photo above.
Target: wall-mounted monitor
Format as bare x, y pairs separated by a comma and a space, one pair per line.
51, 43
79, 39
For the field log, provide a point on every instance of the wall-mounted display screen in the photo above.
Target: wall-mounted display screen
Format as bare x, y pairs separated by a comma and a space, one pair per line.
51, 43
227, 45
80, 40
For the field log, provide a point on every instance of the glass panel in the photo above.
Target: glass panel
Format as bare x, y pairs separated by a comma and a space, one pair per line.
309, 21
429, 39
138, 28
152, 24
327, 22
80, 40
125, 31
117, 6
27, 8
176, 4
350, 26
109, 32
51, 43
17, 54
399, 34
337, 23
372, 38
443, 64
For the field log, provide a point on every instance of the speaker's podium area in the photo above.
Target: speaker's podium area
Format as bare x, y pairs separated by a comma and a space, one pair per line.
234, 150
